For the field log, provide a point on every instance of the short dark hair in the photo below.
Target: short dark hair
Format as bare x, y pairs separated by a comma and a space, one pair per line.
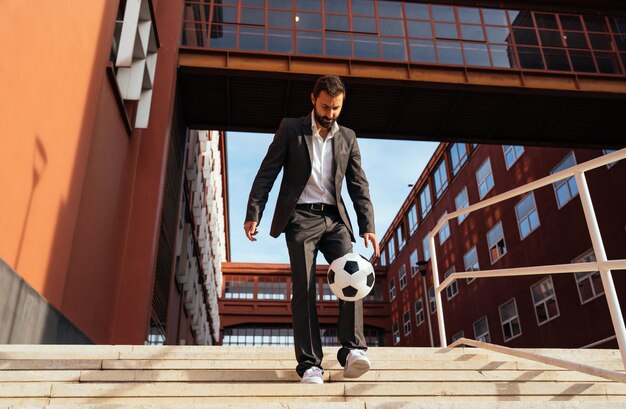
332, 84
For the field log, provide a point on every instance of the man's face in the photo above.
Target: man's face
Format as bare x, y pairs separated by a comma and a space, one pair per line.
326, 109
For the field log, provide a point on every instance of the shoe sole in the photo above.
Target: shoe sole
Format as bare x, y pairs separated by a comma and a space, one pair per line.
357, 369
313, 382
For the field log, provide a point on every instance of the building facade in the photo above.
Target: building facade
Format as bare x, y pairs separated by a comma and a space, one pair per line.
544, 227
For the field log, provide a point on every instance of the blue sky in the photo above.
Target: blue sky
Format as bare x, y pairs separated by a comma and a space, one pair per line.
390, 166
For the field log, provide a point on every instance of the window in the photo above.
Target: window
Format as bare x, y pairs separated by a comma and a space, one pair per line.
383, 258
471, 262
413, 219
565, 189
461, 201
327, 294
413, 263
452, 289
425, 201
444, 233
242, 289
589, 284
441, 179
402, 274
400, 236
511, 154
376, 294
406, 322
419, 312
510, 321
484, 177
544, 298
495, 239
395, 329
431, 300
458, 156
481, 330
392, 289
527, 216
457, 336
391, 249
426, 248
272, 290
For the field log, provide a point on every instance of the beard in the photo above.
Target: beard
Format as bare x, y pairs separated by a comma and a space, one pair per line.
324, 121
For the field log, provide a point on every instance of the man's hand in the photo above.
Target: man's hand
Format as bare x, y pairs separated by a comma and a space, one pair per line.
372, 237
250, 228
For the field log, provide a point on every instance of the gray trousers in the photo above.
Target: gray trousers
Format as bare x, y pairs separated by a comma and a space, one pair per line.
307, 232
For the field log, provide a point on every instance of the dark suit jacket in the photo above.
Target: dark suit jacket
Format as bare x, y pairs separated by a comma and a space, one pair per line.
291, 150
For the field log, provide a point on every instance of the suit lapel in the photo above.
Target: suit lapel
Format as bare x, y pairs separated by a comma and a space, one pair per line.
339, 153
308, 136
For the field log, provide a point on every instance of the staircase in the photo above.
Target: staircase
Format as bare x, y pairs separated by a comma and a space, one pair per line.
57, 376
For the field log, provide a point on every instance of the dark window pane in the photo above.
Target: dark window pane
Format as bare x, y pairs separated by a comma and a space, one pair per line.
280, 4
309, 43
571, 22
582, 61
417, 11
474, 33
308, 21
225, 15
365, 7
338, 45
449, 52
366, 47
498, 35
445, 30
443, 13
476, 54
419, 29
495, 17
469, 15
253, 3
393, 49
283, 19
620, 41
253, 16
608, 63
389, 8
595, 23
392, 27
228, 38
546, 20
618, 24
600, 41
576, 40
502, 56
525, 36
556, 59
422, 51
530, 57
335, 22
364, 25
280, 41
251, 38
336, 6
521, 19
551, 38
311, 5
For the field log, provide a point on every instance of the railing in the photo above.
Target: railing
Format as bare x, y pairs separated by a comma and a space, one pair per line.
603, 265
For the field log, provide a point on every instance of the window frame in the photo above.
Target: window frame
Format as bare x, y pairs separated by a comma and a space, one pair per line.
406, 323
544, 301
453, 289
445, 229
460, 218
488, 333
420, 315
588, 255
516, 317
395, 333
425, 208
557, 185
516, 156
426, 247
392, 289
527, 217
490, 246
440, 178
485, 180
432, 303
402, 276
412, 214
461, 159
475, 250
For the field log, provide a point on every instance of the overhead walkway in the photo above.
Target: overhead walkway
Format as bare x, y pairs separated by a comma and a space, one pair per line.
46, 376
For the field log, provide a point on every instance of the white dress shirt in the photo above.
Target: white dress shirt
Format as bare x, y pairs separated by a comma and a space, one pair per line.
320, 188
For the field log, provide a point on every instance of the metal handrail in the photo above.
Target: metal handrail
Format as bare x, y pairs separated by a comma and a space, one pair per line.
603, 265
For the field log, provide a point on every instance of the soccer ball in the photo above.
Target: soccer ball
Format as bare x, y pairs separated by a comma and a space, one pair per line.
351, 277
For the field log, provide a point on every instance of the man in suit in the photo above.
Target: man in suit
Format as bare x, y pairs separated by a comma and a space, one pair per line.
317, 154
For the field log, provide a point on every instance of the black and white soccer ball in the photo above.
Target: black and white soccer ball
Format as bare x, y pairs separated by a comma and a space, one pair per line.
351, 277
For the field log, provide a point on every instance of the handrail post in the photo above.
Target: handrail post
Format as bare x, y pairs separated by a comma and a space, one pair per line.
433, 260
605, 274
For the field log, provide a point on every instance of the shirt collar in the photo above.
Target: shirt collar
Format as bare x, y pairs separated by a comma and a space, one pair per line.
332, 131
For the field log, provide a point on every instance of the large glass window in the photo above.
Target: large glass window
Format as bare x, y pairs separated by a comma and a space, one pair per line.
527, 216
458, 156
242, 289
544, 299
406, 322
470, 259
481, 330
392, 289
509, 320
426, 247
272, 290
444, 233
484, 178
412, 216
441, 179
511, 154
589, 284
565, 189
495, 240
461, 201
425, 201
391, 249
453, 288
395, 330
400, 236
413, 263
402, 275
419, 312
432, 304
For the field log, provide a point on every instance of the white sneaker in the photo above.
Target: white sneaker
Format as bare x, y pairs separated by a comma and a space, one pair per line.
313, 375
356, 364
